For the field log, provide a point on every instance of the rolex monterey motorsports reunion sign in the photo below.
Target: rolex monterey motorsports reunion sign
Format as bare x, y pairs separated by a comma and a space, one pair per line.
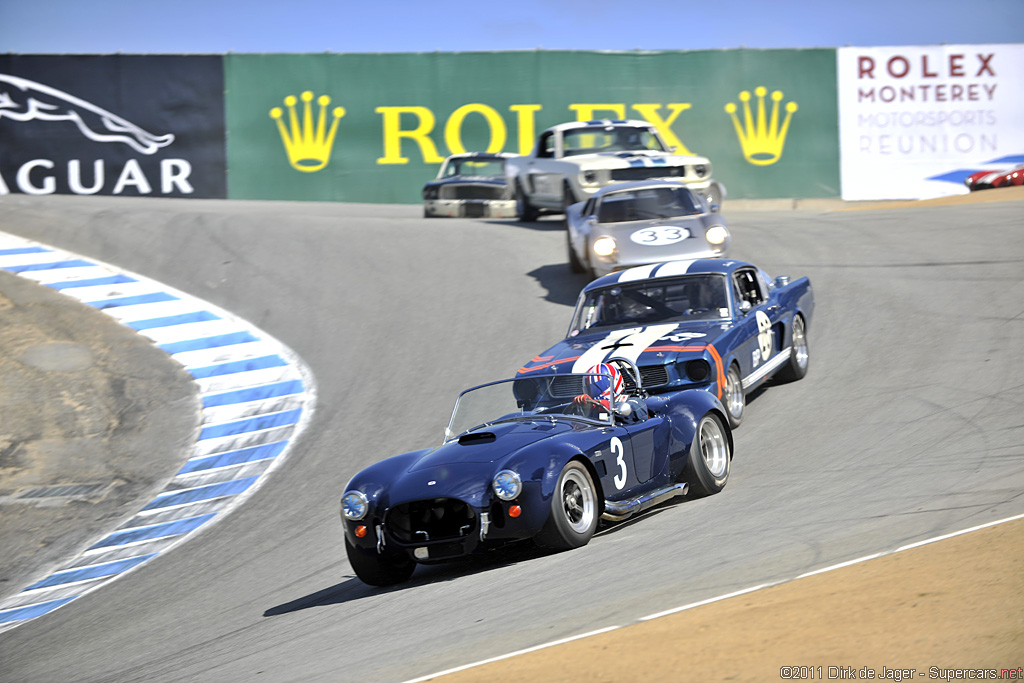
861, 123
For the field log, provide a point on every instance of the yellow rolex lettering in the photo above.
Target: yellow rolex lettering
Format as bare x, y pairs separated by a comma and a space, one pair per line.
453, 128
650, 114
527, 123
585, 112
393, 134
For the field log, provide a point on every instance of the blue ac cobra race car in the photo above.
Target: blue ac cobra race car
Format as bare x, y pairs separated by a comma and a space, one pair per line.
541, 457
720, 325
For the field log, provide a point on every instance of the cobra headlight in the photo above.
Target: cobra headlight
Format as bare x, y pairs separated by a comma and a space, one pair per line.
354, 506
716, 234
507, 485
604, 246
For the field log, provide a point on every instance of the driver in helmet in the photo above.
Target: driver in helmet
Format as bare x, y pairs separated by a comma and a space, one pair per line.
603, 394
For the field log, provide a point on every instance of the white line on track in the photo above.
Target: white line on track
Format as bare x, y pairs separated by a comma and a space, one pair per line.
719, 598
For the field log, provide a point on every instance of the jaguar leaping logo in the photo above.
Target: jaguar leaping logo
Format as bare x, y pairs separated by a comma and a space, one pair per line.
25, 100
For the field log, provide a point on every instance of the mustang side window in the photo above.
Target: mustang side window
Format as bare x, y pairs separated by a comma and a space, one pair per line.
747, 288
546, 146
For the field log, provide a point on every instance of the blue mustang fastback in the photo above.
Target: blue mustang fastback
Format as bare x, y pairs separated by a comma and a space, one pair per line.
720, 325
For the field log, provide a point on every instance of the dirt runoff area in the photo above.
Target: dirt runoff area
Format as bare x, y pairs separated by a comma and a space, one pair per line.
949, 610
94, 419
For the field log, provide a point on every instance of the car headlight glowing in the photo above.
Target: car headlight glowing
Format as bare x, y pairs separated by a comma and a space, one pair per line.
354, 505
604, 246
507, 485
716, 234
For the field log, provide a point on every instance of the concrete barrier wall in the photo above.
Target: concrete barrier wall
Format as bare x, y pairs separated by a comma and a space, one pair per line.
856, 123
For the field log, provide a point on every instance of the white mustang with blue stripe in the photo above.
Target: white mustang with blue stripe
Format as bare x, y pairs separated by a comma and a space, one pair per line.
573, 160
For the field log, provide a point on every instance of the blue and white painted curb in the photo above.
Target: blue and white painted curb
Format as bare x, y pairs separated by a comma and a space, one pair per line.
257, 396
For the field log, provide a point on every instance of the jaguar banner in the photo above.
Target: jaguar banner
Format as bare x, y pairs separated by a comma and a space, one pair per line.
915, 121
375, 127
131, 125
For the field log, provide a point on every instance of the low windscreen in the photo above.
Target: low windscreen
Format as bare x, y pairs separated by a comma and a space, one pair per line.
526, 398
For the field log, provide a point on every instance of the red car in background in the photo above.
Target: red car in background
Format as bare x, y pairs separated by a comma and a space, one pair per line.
983, 180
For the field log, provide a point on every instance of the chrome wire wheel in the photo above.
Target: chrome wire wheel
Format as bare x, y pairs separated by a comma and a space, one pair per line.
800, 351
714, 447
579, 501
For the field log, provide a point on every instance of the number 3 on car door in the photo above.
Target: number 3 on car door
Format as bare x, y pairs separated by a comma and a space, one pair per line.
619, 452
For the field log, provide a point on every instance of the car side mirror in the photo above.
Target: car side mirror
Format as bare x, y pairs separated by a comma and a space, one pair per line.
745, 307
782, 281
715, 207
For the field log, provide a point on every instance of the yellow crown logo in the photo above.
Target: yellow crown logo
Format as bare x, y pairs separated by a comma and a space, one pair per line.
761, 140
308, 146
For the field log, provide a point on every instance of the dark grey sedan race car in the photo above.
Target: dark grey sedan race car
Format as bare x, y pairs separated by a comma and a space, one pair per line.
635, 224
470, 185
538, 458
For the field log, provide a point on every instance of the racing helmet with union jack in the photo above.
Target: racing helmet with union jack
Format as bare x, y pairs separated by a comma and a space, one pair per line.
604, 384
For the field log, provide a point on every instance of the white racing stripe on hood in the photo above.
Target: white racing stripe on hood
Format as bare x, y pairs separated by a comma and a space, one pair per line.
638, 339
596, 353
674, 268
638, 273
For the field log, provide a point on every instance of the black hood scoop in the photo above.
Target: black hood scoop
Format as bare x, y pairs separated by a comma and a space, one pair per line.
473, 438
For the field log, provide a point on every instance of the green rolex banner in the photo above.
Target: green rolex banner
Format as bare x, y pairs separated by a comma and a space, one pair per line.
374, 127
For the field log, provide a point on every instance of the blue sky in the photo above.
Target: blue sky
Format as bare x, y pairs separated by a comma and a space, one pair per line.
218, 26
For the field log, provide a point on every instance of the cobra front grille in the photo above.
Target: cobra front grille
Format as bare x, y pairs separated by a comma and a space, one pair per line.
646, 172
431, 520
472, 192
565, 386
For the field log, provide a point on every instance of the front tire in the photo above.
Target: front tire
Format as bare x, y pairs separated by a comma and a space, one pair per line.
710, 461
378, 569
575, 265
574, 510
524, 209
733, 398
799, 356
568, 198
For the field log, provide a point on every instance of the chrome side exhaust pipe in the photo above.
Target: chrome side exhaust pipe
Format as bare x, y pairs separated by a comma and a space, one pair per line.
618, 511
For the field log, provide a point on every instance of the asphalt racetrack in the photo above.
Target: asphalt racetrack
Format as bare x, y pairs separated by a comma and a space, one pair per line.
908, 426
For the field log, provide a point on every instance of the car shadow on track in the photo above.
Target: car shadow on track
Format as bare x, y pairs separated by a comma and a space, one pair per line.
542, 224
352, 589
561, 284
